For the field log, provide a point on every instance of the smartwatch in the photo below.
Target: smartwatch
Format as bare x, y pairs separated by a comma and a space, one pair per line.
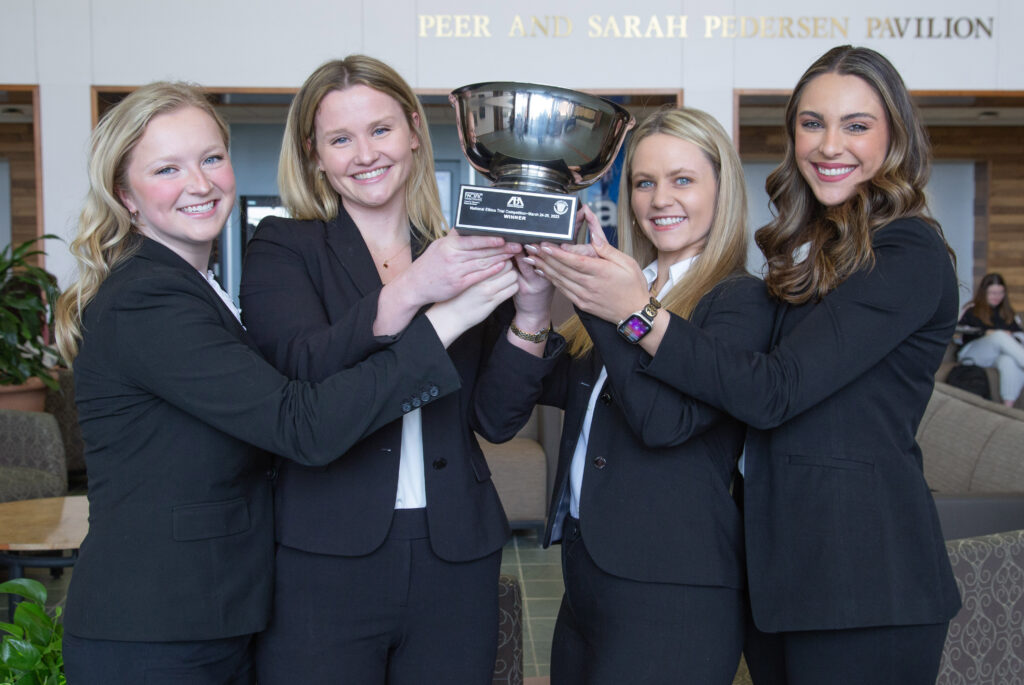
638, 324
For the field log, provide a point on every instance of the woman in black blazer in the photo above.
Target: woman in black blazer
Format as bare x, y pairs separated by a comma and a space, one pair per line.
652, 540
179, 410
388, 558
848, 575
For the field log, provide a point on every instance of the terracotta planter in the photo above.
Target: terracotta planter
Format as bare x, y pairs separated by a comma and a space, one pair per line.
29, 396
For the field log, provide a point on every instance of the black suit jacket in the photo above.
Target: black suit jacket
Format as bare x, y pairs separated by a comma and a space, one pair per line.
655, 504
177, 408
309, 298
841, 530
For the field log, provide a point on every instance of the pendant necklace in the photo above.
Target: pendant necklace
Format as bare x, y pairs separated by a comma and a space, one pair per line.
384, 263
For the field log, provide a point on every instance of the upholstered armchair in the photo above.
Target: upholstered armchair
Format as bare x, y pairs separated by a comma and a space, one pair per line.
31, 456
508, 667
985, 643
523, 469
61, 403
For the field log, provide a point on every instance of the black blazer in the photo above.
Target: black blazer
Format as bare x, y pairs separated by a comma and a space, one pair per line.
176, 408
309, 298
655, 504
841, 530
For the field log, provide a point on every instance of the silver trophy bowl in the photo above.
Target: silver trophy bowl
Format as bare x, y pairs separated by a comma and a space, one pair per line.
525, 136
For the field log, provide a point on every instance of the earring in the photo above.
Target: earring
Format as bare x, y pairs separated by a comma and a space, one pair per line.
133, 216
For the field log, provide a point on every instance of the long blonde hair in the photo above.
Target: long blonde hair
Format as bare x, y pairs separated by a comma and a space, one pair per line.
306, 192
724, 254
105, 235
840, 237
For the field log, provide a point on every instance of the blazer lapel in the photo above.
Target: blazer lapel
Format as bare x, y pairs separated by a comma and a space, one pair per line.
152, 250
582, 386
347, 245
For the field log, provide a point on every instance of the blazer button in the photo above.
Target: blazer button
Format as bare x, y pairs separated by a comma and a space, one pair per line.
605, 397
416, 402
434, 391
272, 473
425, 397
440, 463
406, 407
600, 462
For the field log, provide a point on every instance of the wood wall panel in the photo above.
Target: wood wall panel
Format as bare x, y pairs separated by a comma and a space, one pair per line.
17, 145
999, 189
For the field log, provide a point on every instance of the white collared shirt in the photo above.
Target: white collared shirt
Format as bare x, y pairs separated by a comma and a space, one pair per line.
412, 487
579, 457
225, 298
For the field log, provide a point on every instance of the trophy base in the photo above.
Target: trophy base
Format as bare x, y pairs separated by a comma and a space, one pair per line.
516, 215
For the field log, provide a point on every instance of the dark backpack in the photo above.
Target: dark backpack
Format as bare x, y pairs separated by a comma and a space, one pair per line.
970, 378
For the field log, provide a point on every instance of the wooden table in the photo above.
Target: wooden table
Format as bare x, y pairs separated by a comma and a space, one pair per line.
41, 525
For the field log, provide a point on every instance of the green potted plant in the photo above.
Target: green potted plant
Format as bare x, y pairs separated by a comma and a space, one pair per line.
30, 653
27, 296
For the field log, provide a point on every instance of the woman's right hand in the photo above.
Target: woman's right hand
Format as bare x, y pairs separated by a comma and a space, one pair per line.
453, 263
446, 268
455, 316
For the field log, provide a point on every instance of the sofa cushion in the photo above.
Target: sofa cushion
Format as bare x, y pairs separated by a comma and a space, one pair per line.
971, 444
21, 482
519, 472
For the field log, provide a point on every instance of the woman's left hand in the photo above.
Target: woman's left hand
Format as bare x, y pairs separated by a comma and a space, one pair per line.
533, 300
597, 278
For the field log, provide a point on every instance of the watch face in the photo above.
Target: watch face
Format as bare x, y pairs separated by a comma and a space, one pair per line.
634, 328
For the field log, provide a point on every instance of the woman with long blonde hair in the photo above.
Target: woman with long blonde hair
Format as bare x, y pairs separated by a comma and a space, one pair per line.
388, 559
848, 577
652, 540
178, 409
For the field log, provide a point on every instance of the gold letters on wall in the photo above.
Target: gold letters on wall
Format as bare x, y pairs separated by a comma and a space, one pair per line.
681, 26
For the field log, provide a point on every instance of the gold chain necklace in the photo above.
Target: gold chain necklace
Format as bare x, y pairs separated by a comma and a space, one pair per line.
396, 253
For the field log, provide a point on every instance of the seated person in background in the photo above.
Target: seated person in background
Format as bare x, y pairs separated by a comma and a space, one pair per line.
993, 336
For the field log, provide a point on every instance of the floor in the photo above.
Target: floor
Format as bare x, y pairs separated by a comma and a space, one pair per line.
540, 573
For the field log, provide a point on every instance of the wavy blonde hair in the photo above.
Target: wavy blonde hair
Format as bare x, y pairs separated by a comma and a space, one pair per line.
307, 194
724, 254
105, 235
840, 236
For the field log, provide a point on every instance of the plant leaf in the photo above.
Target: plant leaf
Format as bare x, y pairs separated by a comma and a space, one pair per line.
25, 587
35, 621
20, 655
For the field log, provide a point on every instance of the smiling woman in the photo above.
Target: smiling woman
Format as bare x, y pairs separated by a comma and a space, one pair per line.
841, 136
390, 555
648, 601
180, 186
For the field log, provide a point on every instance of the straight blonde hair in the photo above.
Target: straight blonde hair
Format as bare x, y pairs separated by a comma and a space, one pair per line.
724, 254
306, 192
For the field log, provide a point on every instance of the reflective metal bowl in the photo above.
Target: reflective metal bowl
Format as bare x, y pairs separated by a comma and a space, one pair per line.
542, 138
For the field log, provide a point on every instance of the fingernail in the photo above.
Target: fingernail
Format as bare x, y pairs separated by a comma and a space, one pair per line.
529, 260
547, 249
530, 248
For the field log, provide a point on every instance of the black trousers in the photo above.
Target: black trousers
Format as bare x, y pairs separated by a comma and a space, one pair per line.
884, 655
617, 631
202, 662
400, 616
